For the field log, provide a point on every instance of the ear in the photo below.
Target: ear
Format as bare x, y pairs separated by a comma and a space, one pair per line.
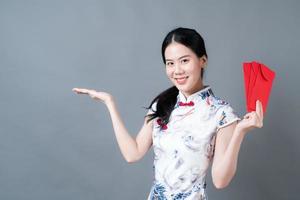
203, 61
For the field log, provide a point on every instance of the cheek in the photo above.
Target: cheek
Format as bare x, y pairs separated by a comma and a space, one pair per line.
195, 70
169, 73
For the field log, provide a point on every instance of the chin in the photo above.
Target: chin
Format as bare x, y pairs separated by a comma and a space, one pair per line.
183, 88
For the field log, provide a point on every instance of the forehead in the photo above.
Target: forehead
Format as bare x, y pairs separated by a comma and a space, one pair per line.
176, 50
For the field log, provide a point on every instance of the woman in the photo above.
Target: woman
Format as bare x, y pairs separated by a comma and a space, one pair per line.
188, 126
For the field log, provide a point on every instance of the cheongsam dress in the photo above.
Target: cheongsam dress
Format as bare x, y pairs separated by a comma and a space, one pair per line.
184, 148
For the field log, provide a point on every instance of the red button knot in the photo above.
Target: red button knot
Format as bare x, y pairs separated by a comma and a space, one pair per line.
191, 103
163, 126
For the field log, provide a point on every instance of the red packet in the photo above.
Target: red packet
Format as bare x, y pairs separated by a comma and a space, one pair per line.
258, 80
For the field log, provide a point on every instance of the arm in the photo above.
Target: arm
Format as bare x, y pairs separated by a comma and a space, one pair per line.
227, 146
228, 142
131, 149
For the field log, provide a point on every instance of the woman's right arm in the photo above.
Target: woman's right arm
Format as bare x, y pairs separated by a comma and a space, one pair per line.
132, 149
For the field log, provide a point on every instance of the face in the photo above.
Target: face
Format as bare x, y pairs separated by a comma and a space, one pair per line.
183, 68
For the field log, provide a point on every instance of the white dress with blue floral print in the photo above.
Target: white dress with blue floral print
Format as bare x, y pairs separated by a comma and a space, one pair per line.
184, 148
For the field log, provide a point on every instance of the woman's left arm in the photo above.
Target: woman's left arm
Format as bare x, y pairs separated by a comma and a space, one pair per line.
227, 146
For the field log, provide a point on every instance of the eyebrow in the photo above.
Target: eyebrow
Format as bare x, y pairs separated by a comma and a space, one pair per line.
179, 57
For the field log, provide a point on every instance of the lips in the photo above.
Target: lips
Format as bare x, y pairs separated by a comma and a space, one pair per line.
181, 80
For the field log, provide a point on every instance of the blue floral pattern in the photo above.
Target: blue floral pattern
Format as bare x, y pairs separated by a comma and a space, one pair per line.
158, 192
184, 150
226, 115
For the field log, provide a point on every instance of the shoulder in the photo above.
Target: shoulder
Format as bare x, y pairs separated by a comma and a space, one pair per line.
224, 113
213, 100
216, 103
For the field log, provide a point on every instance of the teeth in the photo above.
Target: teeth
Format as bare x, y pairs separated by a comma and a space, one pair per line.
181, 78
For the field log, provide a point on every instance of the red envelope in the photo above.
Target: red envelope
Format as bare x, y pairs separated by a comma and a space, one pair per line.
258, 80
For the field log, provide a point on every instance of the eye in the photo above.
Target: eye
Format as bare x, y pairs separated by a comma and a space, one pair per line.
184, 60
169, 63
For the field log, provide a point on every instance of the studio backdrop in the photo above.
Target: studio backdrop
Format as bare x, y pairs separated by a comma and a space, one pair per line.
55, 144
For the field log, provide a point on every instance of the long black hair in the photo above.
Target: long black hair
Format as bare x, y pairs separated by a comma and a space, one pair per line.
166, 100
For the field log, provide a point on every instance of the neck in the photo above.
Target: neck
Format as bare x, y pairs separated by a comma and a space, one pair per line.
198, 88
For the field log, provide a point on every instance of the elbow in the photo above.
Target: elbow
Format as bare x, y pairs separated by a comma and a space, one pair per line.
131, 159
221, 181
220, 184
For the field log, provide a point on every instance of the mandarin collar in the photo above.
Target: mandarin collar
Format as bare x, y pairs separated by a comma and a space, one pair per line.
201, 94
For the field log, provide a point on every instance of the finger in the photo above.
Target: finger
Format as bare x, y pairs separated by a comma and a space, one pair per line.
92, 93
248, 115
261, 110
258, 108
258, 121
80, 90
261, 114
77, 89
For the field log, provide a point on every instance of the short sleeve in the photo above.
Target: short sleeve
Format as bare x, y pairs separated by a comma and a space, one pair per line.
225, 115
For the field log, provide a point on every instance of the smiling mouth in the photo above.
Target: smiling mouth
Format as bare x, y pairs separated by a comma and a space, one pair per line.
181, 80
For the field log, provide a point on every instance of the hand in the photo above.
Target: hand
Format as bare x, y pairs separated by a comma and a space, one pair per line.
103, 96
252, 119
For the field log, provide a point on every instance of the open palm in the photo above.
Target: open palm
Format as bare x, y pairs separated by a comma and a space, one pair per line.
103, 96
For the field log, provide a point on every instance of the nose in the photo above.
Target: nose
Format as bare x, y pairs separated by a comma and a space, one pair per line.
178, 69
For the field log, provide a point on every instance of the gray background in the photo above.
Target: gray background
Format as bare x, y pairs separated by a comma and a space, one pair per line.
55, 144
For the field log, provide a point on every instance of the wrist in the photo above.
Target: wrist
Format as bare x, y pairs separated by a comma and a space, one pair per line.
109, 102
240, 131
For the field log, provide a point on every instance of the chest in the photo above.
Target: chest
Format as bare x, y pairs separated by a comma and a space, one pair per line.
189, 129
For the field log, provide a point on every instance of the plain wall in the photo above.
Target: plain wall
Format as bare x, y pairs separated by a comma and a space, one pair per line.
55, 144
